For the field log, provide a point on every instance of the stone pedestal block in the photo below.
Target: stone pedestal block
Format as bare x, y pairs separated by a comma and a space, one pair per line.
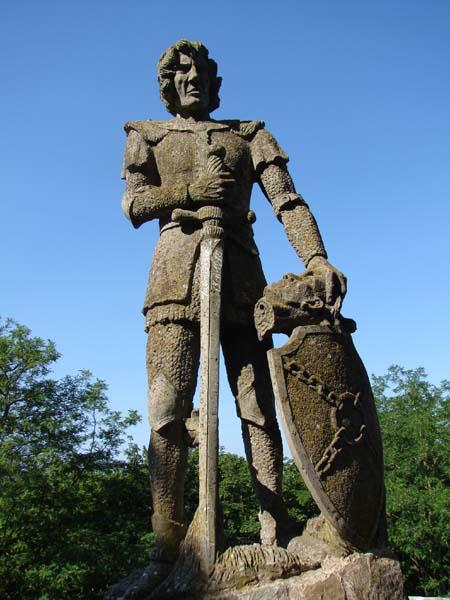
355, 577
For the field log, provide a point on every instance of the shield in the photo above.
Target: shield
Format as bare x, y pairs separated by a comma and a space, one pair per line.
328, 414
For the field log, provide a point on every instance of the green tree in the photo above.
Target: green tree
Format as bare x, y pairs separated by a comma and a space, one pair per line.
414, 417
74, 499
299, 501
238, 501
240, 505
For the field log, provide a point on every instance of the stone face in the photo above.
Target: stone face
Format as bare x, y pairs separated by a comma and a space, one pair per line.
356, 577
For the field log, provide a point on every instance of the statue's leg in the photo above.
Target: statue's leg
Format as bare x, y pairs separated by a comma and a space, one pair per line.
172, 365
249, 378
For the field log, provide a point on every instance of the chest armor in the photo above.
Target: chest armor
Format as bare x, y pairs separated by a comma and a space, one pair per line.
178, 154
181, 158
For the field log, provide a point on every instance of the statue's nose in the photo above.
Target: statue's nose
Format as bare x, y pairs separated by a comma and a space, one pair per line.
193, 73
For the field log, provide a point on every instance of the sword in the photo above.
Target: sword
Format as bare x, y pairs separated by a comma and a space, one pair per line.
211, 260
205, 525
199, 549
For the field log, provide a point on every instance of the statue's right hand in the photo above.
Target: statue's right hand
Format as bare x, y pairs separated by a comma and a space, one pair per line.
211, 188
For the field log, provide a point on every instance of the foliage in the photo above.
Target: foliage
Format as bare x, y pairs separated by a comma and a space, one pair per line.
238, 500
74, 500
239, 503
414, 417
299, 501
73, 509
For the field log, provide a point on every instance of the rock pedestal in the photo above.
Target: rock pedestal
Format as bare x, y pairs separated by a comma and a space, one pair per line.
355, 577
318, 565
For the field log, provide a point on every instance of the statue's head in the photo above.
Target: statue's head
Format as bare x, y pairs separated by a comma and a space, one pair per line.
188, 80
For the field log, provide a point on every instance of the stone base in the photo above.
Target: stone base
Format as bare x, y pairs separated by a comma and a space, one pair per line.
243, 576
355, 577
317, 565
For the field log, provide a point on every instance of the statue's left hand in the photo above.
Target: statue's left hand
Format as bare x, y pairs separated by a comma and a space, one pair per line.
335, 282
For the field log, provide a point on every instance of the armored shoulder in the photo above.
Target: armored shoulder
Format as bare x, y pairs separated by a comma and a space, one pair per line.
244, 129
136, 154
141, 136
150, 131
265, 150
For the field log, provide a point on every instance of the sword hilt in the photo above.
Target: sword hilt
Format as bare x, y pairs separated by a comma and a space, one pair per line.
210, 218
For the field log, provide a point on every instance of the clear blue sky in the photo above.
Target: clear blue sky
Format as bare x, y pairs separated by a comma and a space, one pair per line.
356, 91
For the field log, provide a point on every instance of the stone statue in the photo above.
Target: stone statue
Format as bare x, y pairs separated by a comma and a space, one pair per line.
173, 170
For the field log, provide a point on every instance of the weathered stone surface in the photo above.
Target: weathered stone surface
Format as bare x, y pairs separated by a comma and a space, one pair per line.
318, 540
356, 577
139, 584
326, 406
176, 171
179, 168
243, 565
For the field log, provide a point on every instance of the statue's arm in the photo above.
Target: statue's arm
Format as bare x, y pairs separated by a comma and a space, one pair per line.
299, 223
292, 210
145, 198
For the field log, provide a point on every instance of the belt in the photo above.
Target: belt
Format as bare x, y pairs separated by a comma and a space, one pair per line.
244, 218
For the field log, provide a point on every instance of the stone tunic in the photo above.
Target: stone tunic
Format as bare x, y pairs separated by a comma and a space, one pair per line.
170, 155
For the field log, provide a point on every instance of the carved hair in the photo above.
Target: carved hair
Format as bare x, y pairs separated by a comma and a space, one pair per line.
168, 64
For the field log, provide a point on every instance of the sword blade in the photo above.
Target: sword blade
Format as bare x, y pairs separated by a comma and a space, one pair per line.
211, 260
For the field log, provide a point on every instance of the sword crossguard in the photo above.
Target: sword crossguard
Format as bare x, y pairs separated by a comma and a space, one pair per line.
210, 218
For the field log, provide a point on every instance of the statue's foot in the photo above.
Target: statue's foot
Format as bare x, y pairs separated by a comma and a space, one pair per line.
318, 540
278, 532
140, 584
288, 531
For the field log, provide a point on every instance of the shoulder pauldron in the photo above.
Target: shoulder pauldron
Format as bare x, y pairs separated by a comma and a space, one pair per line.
151, 131
244, 129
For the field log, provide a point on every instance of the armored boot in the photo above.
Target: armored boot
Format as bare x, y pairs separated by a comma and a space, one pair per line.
141, 584
167, 459
264, 453
169, 534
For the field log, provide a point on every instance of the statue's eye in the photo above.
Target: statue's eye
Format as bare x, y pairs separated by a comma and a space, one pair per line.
184, 63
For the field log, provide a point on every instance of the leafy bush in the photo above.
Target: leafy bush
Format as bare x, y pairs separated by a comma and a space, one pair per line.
75, 500
414, 417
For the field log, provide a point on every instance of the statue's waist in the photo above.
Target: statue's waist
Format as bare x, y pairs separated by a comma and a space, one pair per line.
237, 230
230, 220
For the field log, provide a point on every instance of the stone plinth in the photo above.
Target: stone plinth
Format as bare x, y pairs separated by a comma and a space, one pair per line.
356, 577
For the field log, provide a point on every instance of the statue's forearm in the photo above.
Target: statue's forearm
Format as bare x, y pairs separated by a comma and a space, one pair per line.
291, 209
303, 233
142, 202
